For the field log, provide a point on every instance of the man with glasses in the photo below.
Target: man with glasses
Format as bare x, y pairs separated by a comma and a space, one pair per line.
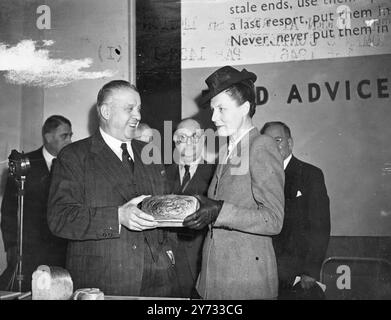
189, 175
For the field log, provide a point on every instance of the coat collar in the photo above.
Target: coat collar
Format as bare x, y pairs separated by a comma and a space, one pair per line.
293, 165
37, 161
244, 143
174, 174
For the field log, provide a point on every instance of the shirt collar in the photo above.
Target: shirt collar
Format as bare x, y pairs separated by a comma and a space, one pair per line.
115, 144
231, 145
194, 163
48, 157
192, 168
286, 161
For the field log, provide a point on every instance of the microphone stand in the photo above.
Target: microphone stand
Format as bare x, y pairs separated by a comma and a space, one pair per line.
19, 264
19, 276
18, 166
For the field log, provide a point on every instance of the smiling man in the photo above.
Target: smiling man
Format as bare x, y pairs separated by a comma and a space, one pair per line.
96, 187
190, 176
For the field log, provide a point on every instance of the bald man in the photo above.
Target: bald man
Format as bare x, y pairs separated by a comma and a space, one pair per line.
97, 184
302, 244
190, 175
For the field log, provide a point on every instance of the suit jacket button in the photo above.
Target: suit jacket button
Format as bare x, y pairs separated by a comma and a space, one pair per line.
134, 247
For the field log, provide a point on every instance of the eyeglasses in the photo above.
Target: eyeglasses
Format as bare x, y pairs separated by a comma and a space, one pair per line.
182, 138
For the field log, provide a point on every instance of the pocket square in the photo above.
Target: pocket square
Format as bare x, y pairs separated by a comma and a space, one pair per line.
299, 194
171, 256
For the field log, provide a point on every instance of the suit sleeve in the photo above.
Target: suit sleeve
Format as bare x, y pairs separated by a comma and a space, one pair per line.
267, 183
70, 215
9, 215
319, 225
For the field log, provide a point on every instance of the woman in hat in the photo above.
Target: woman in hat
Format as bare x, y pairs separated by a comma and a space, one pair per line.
245, 203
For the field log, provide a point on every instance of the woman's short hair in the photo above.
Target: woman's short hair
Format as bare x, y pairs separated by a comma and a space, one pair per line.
242, 92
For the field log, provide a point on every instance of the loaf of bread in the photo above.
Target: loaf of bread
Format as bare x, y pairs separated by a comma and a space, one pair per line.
170, 207
51, 283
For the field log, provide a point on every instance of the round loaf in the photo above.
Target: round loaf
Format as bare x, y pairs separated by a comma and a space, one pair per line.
170, 207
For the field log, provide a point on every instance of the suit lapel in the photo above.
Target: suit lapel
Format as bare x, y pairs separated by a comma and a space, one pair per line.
292, 178
111, 166
172, 171
194, 179
41, 171
176, 180
140, 173
222, 161
196, 176
242, 146
178, 187
150, 178
41, 163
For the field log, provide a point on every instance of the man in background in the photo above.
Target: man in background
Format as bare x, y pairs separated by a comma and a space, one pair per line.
96, 187
191, 175
39, 245
302, 244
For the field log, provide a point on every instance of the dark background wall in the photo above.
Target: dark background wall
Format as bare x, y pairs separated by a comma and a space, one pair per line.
158, 50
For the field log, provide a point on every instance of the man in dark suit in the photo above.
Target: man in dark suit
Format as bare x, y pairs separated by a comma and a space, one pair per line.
39, 245
190, 175
302, 244
96, 187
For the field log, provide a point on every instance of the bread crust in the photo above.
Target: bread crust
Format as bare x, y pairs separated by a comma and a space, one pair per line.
170, 207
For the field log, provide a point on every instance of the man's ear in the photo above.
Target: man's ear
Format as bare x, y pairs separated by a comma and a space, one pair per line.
48, 137
290, 144
105, 111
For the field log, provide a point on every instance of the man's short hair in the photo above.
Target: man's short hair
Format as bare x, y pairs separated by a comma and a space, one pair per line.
242, 92
53, 122
276, 123
107, 89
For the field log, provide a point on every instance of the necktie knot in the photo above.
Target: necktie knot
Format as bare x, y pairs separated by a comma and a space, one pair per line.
125, 151
124, 147
54, 160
